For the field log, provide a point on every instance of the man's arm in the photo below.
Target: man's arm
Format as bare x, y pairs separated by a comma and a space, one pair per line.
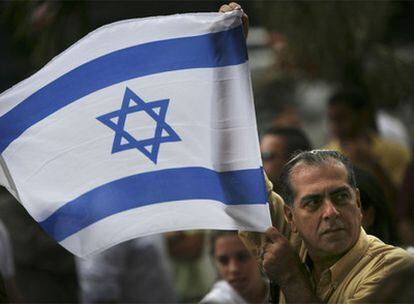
282, 265
279, 259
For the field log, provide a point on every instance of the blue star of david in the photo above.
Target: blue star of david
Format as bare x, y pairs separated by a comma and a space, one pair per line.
125, 141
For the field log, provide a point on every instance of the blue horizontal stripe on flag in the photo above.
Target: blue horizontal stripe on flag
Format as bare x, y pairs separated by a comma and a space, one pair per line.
204, 51
232, 188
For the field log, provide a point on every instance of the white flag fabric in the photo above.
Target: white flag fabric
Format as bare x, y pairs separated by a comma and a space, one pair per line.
141, 127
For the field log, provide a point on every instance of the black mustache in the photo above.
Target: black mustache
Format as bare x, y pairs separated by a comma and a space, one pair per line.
336, 226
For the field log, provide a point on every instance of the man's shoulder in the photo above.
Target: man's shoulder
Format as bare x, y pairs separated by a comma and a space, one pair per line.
387, 257
378, 262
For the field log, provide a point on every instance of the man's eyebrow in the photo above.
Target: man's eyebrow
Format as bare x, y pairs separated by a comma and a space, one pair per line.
339, 190
309, 197
316, 196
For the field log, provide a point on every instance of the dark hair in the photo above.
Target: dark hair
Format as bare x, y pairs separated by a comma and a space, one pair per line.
372, 196
217, 234
295, 139
352, 97
311, 158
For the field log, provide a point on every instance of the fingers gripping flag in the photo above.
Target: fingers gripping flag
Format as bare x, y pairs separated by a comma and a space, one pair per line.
143, 126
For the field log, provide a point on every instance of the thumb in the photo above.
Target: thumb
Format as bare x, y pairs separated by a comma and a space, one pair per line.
273, 234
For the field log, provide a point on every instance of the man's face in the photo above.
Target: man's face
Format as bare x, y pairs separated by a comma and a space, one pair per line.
272, 148
326, 211
235, 264
343, 121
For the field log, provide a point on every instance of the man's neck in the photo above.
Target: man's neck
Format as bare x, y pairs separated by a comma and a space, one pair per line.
320, 265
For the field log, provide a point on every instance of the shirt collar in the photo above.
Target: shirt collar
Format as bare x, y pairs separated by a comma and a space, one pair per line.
334, 275
341, 268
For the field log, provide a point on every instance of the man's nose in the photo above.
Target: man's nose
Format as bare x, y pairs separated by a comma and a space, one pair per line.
329, 210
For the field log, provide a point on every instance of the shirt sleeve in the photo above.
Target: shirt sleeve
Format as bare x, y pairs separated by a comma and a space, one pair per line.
372, 279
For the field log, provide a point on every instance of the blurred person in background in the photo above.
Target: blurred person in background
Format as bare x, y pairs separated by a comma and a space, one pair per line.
277, 145
352, 127
405, 208
377, 218
276, 103
3, 294
192, 269
32, 33
7, 266
241, 280
44, 271
131, 272
392, 128
288, 116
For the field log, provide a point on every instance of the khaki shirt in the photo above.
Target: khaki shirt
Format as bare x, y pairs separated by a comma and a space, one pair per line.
350, 280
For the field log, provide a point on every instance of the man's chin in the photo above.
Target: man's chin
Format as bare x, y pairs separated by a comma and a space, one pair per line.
337, 248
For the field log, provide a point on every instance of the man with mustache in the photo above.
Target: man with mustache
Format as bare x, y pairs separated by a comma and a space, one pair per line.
316, 250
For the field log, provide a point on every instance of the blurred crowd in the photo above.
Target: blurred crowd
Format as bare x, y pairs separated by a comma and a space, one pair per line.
182, 267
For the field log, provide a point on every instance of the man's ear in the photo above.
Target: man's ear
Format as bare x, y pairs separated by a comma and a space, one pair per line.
358, 201
358, 197
289, 217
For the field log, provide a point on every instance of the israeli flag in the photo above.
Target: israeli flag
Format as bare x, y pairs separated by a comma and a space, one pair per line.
143, 126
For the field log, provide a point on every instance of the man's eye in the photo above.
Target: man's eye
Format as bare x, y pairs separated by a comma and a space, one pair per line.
311, 204
341, 197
